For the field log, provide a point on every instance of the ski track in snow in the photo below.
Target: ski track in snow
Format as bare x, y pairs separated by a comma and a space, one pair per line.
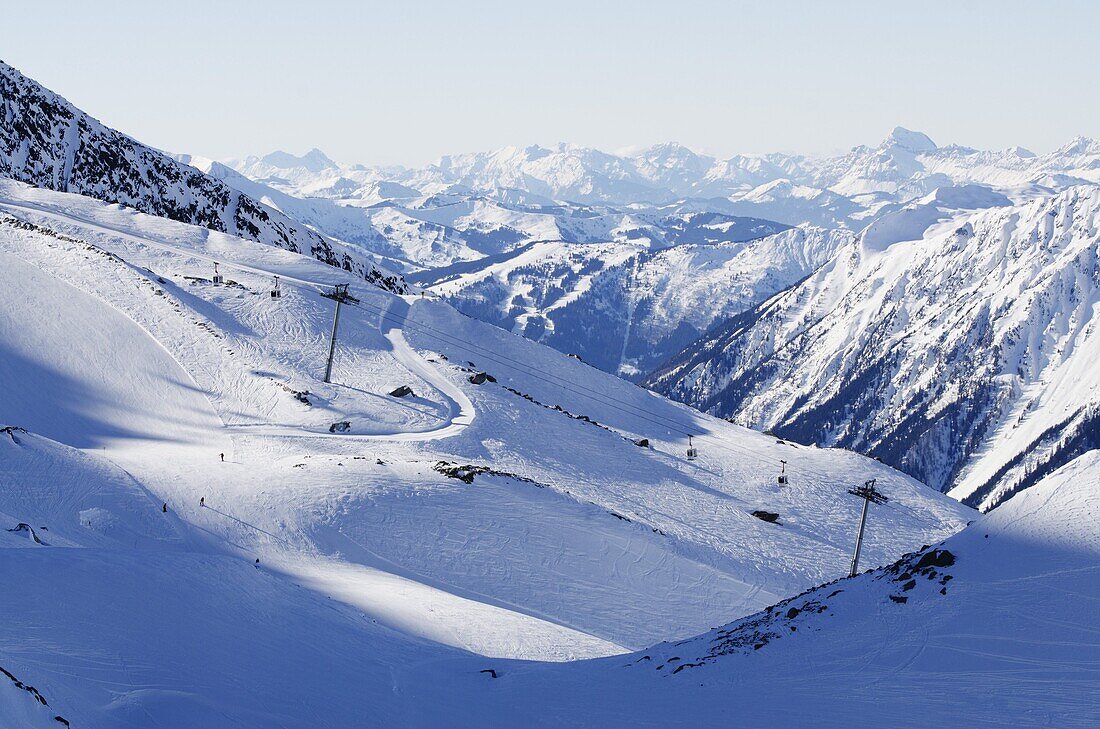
462, 411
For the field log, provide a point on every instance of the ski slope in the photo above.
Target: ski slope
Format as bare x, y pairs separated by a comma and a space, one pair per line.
1005, 635
575, 543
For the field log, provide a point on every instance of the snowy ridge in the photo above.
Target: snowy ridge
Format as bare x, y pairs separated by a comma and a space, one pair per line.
956, 345
46, 141
456, 224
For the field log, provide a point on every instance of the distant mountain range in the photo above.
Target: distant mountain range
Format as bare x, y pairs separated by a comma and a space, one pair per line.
844, 190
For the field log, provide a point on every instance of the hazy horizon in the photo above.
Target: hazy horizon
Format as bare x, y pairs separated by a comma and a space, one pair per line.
404, 85
621, 151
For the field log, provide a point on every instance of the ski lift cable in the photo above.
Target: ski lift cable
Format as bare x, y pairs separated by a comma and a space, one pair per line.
596, 396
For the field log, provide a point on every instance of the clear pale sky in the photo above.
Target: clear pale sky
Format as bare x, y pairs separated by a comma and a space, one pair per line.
406, 81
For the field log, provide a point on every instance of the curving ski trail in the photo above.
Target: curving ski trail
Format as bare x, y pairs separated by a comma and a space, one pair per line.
462, 411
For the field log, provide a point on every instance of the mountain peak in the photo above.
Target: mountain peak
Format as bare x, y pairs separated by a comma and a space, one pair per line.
909, 140
668, 148
1079, 145
314, 160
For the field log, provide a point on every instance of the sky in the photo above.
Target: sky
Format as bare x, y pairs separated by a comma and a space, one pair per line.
405, 81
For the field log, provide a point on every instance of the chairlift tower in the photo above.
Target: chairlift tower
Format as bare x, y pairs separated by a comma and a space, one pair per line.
341, 296
868, 493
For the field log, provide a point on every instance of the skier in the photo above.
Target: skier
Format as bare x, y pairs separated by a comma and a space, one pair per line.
202, 501
257, 563
223, 457
164, 507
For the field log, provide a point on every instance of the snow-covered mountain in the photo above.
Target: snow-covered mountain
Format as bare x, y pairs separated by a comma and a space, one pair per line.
467, 528
455, 224
47, 142
954, 339
625, 307
476, 518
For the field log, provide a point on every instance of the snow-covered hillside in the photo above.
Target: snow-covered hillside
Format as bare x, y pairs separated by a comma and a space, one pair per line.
955, 339
47, 142
995, 627
624, 307
507, 519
